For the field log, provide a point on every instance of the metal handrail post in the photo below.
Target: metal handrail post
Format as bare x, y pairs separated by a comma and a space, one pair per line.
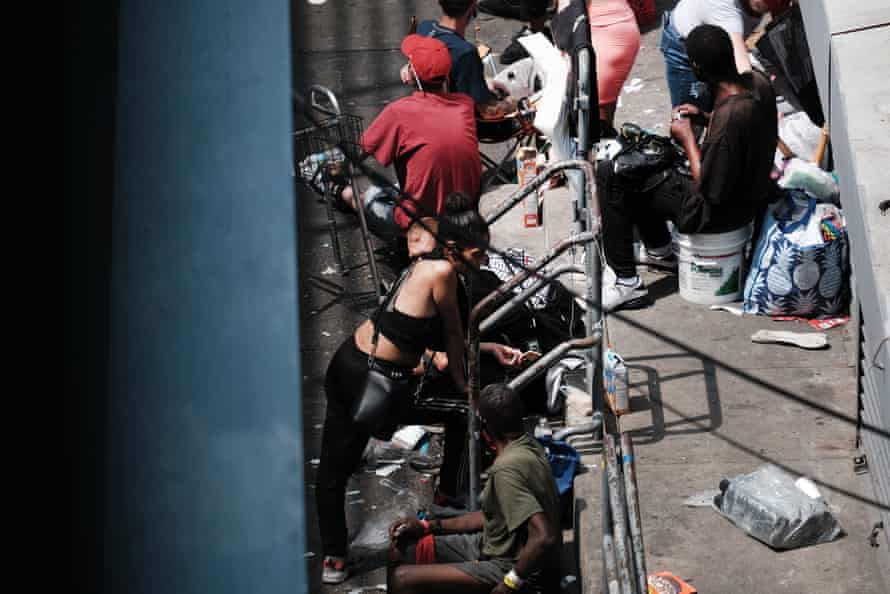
633, 510
618, 507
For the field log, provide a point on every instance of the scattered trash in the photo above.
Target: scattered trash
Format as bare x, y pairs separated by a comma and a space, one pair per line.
316, 2
362, 590
408, 436
387, 470
329, 271
736, 311
308, 555
315, 461
356, 501
325, 333
423, 463
823, 324
703, 499
664, 582
378, 453
374, 534
634, 85
566, 580
809, 340
615, 382
354, 492
777, 509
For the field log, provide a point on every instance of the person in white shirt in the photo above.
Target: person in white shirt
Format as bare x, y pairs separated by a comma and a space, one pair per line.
737, 17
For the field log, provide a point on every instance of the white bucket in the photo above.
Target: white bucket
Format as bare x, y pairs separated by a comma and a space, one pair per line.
711, 265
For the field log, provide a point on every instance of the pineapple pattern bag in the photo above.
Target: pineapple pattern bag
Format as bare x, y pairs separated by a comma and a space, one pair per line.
800, 266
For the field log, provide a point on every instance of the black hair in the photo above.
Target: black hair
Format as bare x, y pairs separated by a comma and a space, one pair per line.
455, 8
461, 222
501, 409
710, 49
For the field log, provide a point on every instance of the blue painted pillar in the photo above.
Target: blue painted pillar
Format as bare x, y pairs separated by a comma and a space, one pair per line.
204, 482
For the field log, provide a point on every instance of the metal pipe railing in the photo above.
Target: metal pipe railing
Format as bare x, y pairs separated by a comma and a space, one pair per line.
619, 517
633, 510
545, 277
482, 309
541, 365
589, 187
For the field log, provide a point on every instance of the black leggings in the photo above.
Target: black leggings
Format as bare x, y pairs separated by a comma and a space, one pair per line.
342, 445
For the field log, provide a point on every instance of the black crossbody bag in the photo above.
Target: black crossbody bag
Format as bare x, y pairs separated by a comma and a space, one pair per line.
375, 409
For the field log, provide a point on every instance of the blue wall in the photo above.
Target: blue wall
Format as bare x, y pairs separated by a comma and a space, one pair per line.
204, 481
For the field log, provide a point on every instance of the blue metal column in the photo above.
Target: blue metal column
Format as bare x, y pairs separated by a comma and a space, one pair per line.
205, 483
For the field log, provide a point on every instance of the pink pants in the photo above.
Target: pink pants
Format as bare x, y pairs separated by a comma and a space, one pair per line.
616, 41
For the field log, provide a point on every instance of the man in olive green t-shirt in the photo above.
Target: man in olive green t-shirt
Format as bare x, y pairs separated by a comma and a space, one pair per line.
515, 540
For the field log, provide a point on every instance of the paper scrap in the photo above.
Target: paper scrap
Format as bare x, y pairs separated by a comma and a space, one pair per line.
635, 85
329, 270
387, 470
736, 311
315, 461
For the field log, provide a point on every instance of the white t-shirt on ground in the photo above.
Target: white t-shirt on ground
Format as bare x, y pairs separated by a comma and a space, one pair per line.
727, 14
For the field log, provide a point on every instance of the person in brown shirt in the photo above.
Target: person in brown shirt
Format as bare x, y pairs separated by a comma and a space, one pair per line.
730, 171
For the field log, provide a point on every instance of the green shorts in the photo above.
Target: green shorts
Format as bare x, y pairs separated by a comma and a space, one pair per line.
464, 551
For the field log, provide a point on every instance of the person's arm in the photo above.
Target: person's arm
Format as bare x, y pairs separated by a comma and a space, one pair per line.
740, 51
541, 539
412, 528
681, 129
445, 287
505, 355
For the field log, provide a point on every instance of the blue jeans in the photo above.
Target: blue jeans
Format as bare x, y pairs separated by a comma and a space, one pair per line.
684, 87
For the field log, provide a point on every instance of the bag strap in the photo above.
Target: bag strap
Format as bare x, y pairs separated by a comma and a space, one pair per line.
387, 305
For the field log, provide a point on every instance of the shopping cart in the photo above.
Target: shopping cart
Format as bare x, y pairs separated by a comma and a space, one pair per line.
324, 153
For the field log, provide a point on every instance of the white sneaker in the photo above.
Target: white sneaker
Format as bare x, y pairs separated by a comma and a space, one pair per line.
622, 294
334, 570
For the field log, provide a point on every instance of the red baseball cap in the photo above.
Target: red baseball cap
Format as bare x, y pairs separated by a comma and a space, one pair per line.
428, 56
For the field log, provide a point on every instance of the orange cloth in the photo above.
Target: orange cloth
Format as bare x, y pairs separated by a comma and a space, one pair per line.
425, 551
616, 40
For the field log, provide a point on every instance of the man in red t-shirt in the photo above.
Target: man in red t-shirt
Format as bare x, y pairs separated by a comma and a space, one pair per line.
430, 139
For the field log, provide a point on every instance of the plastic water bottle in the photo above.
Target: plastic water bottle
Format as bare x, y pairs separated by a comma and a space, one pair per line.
615, 382
543, 429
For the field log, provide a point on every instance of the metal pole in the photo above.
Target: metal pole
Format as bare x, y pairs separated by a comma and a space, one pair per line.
633, 508
619, 515
533, 184
526, 293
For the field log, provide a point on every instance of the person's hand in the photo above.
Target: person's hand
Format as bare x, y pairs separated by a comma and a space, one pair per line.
505, 355
406, 528
681, 128
405, 74
499, 89
686, 109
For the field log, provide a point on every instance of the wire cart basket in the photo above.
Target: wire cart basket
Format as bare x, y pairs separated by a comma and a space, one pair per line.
323, 156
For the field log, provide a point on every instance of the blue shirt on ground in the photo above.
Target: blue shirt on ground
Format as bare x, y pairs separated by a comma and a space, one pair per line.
466, 67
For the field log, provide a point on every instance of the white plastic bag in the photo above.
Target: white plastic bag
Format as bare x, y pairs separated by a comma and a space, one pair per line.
812, 179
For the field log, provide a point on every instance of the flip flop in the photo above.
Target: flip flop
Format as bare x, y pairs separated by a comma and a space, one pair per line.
808, 340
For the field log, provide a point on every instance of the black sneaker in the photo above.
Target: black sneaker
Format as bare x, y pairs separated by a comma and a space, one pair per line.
515, 51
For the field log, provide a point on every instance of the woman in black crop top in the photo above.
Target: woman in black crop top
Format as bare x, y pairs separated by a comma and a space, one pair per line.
426, 316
